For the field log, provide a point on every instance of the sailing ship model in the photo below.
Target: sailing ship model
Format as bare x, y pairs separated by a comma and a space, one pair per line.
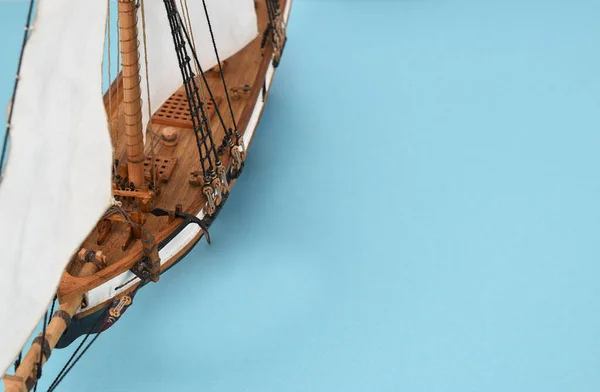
101, 194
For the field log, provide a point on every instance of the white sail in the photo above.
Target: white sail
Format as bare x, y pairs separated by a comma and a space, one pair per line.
57, 181
233, 22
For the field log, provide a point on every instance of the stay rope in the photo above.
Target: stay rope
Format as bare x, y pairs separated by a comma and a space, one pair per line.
68, 366
204, 139
14, 94
188, 24
197, 62
106, 321
116, 209
212, 36
152, 144
272, 10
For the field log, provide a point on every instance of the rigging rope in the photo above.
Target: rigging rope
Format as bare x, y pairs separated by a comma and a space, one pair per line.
212, 36
116, 209
105, 322
188, 24
110, 119
227, 138
201, 124
14, 94
18, 360
152, 144
273, 10
53, 304
271, 13
68, 366
220, 185
197, 62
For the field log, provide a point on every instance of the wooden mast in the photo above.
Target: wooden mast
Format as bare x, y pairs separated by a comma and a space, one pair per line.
131, 91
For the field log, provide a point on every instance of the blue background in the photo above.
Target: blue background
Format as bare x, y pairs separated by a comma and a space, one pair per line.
419, 212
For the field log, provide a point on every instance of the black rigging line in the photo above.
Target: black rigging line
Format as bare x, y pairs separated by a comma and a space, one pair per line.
10, 113
265, 36
199, 120
18, 360
68, 366
182, 27
56, 382
212, 36
105, 322
61, 375
271, 9
53, 304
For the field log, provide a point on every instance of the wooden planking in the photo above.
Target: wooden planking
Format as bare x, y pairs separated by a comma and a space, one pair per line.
246, 67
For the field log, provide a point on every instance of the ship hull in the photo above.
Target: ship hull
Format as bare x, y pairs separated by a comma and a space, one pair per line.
184, 237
